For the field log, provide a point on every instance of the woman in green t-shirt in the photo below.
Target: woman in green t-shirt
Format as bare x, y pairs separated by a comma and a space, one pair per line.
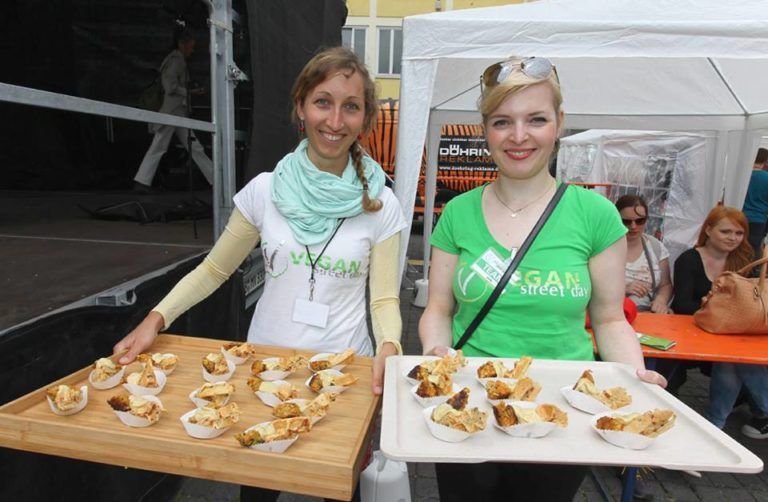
577, 262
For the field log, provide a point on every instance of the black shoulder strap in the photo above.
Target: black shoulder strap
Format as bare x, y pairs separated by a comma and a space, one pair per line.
512, 267
652, 292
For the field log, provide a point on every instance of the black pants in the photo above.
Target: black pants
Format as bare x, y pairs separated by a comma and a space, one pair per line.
253, 494
496, 481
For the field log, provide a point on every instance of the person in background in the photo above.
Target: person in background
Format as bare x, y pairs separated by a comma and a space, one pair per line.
756, 201
174, 77
646, 276
325, 201
520, 104
722, 245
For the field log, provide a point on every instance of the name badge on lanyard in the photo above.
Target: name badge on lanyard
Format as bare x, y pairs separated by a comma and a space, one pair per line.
309, 311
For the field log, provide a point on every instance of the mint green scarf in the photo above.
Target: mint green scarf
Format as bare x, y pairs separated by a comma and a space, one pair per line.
313, 201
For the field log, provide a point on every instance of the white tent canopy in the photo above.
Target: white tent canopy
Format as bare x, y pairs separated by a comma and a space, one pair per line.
680, 65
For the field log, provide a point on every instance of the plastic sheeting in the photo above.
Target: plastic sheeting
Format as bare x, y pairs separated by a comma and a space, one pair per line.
668, 169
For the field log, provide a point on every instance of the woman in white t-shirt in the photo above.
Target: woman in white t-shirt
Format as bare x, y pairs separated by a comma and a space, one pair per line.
647, 278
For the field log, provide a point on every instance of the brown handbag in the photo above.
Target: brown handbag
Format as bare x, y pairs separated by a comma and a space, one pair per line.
736, 304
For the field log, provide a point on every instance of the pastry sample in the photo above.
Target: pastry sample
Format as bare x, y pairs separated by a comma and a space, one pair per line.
136, 411
508, 415
216, 417
212, 393
148, 381
217, 367
66, 399
651, 423
106, 374
452, 421
275, 436
524, 389
435, 386
614, 398
315, 409
447, 365
325, 361
272, 393
237, 352
277, 368
496, 369
165, 362
330, 381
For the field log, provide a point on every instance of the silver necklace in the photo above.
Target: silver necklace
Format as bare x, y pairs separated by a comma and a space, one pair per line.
515, 212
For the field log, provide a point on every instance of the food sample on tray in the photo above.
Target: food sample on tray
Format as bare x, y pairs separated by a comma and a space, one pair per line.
614, 398
104, 368
651, 423
435, 385
145, 378
454, 414
137, 406
242, 350
216, 364
318, 407
166, 362
291, 364
65, 397
282, 390
524, 389
215, 393
330, 378
216, 417
508, 415
447, 365
496, 369
275, 430
345, 357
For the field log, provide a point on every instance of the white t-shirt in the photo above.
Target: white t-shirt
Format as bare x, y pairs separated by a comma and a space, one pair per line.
639, 270
340, 273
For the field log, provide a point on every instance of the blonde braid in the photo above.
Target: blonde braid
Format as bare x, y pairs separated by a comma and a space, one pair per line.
369, 205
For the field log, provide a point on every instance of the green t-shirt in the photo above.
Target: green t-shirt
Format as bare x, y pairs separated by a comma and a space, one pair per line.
541, 312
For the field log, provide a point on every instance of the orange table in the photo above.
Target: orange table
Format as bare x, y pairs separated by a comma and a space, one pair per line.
695, 344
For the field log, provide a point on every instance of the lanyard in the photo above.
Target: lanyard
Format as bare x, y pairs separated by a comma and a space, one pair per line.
314, 263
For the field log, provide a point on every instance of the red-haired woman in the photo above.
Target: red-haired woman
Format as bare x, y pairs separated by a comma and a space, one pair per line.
722, 246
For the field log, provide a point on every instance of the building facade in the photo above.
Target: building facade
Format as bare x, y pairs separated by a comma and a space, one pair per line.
373, 31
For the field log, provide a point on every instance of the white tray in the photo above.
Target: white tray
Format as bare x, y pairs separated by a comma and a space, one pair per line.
692, 444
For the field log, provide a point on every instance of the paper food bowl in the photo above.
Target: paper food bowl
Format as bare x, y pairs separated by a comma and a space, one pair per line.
208, 377
198, 431
628, 440
233, 358
138, 390
583, 402
272, 375
532, 430
413, 381
268, 398
336, 389
443, 432
324, 356
132, 420
203, 402
273, 446
80, 406
432, 401
110, 382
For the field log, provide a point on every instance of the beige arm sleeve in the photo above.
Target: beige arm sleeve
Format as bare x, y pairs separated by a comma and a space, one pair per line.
237, 240
385, 296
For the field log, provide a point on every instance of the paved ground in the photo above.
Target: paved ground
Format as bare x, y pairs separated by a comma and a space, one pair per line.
665, 485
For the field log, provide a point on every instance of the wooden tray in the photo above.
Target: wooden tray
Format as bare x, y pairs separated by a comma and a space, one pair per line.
324, 462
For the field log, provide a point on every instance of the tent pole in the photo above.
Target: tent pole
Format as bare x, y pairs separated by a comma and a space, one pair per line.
430, 189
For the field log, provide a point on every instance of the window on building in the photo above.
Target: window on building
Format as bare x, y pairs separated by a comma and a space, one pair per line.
354, 38
390, 51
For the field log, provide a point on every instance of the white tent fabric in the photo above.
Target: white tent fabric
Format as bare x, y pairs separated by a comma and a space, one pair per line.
665, 65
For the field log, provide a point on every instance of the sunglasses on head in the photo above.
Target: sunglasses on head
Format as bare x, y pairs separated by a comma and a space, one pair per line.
637, 221
537, 68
